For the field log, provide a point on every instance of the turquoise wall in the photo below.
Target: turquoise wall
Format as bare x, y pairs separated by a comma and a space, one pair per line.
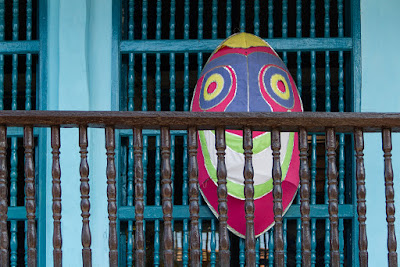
79, 41
380, 38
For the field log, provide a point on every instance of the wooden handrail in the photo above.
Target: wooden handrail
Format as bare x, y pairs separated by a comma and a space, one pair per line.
312, 121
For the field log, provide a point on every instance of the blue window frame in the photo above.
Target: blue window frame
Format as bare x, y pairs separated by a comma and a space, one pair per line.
159, 50
23, 31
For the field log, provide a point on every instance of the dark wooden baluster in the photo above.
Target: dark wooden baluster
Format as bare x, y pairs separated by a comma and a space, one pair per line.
3, 197
56, 191
139, 202
332, 196
111, 196
248, 174
30, 195
166, 189
85, 203
361, 192
305, 199
389, 192
193, 198
277, 195
222, 190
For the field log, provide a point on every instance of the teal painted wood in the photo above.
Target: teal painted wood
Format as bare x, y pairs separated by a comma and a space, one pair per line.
156, 258
298, 35
28, 72
214, 21
26, 244
298, 243
242, 15
19, 47
172, 160
186, 62
258, 252
208, 45
341, 136
299, 88
314, 137
257, 18
2, 7
284, 27
327, 61
271, 247
213, 245
180, 212
242, 255
131, 72
199, 68
200, 24
14, 156
157, 189
129, 246
327, 257
13, 201
14, 75
144, 58
285, 241
131, 107
271, 20
201, 236
172, 75
145, 166
327, 82
185, 241
228, 18
185, 247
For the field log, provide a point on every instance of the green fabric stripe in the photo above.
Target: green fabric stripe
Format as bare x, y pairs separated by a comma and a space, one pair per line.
237, 190
260, 143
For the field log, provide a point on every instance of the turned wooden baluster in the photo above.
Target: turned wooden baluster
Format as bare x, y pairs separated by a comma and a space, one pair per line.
56, 191
333, 196
305, 198
389, 192
248, 174
4, 261
220, 145
139, 192
30, 195
193, 198
85, 202
111, 196
168, 238
277, 196
361, 192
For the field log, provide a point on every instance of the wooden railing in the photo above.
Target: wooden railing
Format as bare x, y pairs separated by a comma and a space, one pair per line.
330, 123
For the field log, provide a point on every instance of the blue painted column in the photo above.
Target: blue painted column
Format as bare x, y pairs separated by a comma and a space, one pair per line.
79, 64
380, 93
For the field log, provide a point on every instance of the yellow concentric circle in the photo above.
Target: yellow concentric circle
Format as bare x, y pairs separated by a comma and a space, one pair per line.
274, 85
214, 78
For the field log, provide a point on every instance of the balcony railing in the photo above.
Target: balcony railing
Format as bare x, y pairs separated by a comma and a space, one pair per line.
330, 123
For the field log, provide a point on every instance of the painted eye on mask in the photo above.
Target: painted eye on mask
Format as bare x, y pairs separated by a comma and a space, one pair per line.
275, 84
218, 87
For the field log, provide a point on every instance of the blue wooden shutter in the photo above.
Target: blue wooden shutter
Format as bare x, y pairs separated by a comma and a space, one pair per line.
161, 47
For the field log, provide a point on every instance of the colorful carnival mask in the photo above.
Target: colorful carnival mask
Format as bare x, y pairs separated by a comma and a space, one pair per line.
244, 74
